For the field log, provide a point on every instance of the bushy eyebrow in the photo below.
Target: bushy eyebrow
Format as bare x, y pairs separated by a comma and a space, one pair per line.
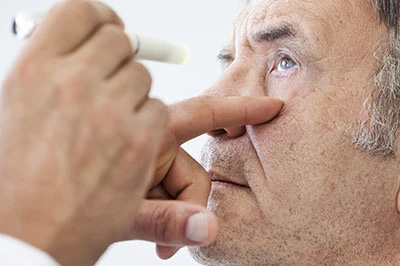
270, 34
275, 32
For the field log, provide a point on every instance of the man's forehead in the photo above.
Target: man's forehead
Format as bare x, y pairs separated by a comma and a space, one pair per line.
318, 8
258, 12
315, 23
313, 13
259, 15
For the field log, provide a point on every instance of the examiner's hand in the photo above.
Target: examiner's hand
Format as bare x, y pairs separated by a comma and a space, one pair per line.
171, 223
79, 137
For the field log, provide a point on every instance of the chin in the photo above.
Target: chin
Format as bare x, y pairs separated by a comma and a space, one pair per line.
214, 255
207, 256
241, 229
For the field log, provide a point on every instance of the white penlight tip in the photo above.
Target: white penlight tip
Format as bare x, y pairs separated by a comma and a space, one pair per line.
151, 48
24, 24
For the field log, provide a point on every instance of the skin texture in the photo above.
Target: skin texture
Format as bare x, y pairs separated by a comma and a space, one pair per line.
312, 198
86, 158
180, 186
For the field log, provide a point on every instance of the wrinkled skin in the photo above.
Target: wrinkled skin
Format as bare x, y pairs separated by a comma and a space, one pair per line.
81, 143
312, 197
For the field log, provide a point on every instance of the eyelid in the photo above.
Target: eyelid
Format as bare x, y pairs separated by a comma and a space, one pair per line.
225, 57
281, 54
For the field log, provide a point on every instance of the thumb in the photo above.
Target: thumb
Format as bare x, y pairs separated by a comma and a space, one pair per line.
174, 223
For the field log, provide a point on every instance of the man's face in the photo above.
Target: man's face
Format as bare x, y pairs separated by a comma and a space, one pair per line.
307, 196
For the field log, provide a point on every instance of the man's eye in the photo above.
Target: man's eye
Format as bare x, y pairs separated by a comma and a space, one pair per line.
285, 64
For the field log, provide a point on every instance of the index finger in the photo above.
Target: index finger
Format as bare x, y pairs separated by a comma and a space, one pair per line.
68, 24
199, 115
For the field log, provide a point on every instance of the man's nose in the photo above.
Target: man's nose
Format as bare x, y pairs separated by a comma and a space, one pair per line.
239, 79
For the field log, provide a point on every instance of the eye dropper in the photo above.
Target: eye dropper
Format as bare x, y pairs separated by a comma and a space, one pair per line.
145, 47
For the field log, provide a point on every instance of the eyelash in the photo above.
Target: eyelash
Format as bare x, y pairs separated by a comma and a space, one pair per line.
226, 60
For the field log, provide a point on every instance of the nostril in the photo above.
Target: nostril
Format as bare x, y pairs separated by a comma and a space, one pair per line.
232, 132
216, 133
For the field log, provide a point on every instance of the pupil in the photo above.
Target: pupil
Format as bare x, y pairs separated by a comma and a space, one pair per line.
285, 63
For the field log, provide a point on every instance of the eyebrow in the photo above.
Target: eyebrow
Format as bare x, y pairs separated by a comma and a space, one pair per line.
271, 34
224, 55
274, 33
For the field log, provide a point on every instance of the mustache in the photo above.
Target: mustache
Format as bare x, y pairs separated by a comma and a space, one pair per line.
229, 155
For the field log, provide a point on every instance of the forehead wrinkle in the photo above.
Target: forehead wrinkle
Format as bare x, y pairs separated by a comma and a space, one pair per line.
261, 14
264, 26
265, 13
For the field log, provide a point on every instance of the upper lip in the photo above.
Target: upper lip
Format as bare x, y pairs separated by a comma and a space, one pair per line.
221, 178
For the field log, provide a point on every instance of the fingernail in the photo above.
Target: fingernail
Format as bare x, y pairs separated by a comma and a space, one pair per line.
276, 99
197, 228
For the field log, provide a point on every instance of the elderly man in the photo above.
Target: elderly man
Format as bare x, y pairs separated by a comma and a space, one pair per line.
319, 184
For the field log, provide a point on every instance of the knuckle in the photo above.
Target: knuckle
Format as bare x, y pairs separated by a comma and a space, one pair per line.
83, 8
207, 101
117, 36
142, 74
111, 31
162, 113
91, 13
108, 13
77, 11
158, 106
165, 226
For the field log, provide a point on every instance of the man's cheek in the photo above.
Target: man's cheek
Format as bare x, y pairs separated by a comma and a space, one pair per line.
286, 147
290, 88
279, 136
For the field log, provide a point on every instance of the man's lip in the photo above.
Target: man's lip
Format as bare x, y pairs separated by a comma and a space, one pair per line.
218, 178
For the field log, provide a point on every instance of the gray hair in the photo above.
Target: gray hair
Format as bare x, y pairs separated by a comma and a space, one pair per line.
378, 133
389, 11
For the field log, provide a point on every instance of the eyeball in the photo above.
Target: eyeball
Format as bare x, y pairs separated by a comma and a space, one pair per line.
285, 64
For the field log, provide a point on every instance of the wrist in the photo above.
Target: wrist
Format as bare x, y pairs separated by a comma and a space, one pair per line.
25, 229
19, 252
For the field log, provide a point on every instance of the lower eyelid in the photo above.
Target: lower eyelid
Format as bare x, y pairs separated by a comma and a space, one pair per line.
282, 74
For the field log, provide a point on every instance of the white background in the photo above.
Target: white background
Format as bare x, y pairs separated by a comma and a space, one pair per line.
200, 23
